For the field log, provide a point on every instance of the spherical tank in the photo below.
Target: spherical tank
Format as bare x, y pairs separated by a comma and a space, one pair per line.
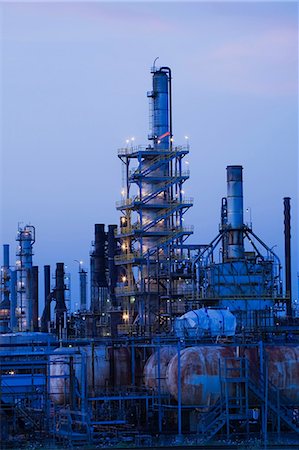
60, 363
151, 368
200, 383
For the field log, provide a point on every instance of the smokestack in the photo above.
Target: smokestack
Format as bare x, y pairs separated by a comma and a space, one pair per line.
112, 248
34, 281
5, 272
29, 298
83, 288
287, 253
60, 307
98, 270
13, 300
235, 212
47, 289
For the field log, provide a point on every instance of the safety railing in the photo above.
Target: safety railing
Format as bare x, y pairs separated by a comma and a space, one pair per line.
141, 148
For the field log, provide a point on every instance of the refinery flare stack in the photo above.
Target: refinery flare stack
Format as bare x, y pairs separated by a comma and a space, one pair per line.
171, 342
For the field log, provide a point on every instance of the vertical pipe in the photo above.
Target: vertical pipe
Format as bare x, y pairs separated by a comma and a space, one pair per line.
47, 290
224, 228
13, 299
235, 212
5, 272
287, 252
6, 255
98, 266
60, 307
112, 248
35, 298
83, 288
179, 391
29, 299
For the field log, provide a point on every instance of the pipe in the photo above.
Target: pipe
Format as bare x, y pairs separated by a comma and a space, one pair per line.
98, 270
13, 300
5, 272
235, 212
47, 289
83, 288
223, 228
60, 307
287, 253
35, 298
6, 256
29, 299
112, 249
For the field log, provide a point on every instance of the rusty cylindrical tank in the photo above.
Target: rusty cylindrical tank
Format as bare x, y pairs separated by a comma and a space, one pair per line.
120, 366
283, 368
151, 369
200, 383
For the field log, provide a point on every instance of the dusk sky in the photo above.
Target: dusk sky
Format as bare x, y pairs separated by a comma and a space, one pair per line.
74, 78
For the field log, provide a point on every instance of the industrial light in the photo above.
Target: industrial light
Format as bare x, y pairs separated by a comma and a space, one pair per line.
124, 279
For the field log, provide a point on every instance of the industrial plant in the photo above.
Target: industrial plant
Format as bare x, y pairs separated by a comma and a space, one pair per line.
173, 344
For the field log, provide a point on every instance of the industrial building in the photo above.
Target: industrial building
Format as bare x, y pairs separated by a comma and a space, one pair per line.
180, 344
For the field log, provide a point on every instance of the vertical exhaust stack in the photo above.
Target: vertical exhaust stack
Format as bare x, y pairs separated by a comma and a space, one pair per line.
60, 308
26, 239
13, 300
47, 290
5, 273
235, 212
287, 252
83, 288
112, 269
35, 298
98, 271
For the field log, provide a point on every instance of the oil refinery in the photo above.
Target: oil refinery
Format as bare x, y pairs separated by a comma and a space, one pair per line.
173, 344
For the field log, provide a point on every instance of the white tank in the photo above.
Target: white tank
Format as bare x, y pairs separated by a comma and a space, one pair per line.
197, 323
60, 363
97, 367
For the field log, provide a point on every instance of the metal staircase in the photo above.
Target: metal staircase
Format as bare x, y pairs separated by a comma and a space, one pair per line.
265, 391
212, 421
16, 407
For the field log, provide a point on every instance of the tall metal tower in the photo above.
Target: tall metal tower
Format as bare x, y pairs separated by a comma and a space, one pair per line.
26, 239
151, 229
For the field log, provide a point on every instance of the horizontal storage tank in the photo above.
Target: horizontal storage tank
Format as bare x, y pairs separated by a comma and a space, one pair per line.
121, 373
205, 321
60, 367
151, 368
200, 383
283, 368
97, 369
97, 376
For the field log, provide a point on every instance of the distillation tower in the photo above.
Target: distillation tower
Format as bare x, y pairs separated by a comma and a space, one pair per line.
151, 229
26, 275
